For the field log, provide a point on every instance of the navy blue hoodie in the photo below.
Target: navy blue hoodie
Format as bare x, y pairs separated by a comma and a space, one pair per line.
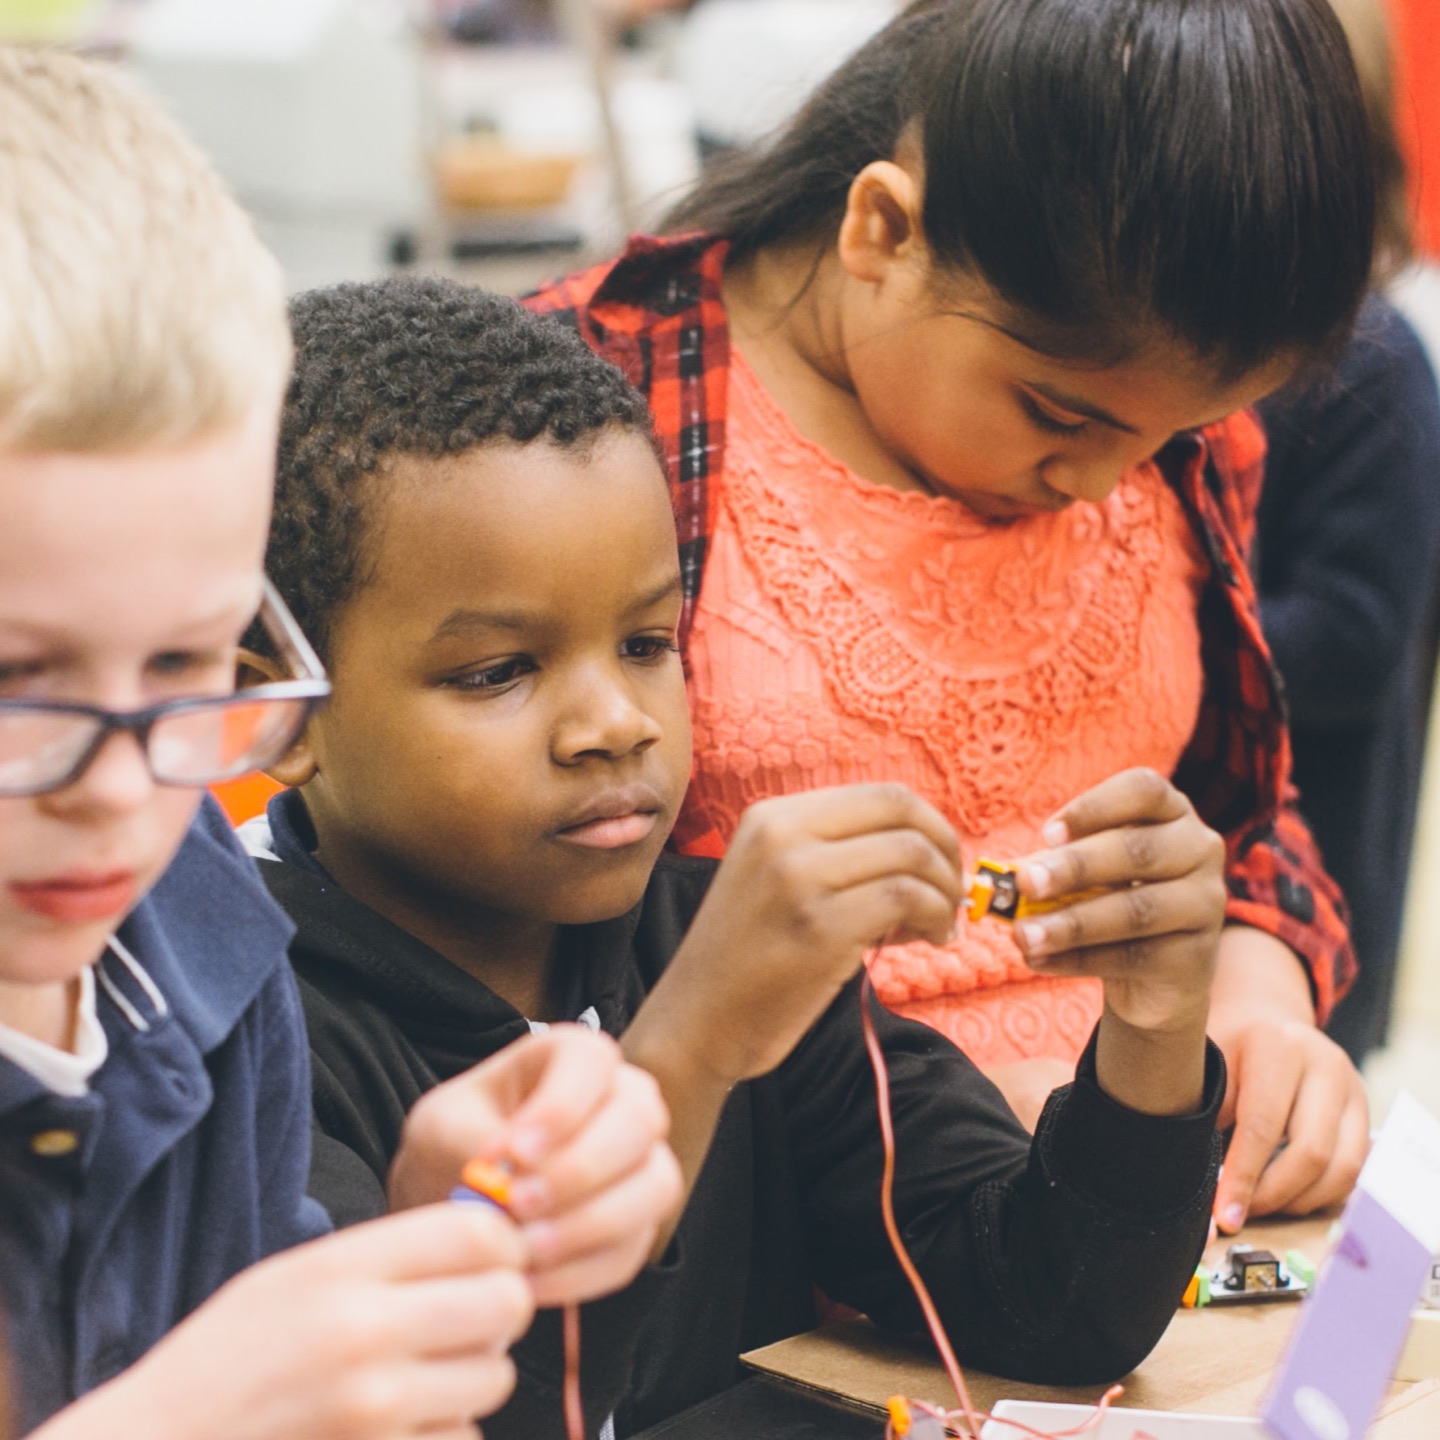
192, 1145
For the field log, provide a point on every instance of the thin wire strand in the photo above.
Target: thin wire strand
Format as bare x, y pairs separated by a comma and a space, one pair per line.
966, 1415
887, 1209
574, 1410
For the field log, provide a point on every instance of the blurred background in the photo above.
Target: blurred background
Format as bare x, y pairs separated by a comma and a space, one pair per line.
499, 139
505, 141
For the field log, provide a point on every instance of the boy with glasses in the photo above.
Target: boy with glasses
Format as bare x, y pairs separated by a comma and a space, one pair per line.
154, 1084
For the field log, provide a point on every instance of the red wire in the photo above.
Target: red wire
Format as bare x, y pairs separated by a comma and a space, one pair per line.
574, 1410
887, 1210
972, 1418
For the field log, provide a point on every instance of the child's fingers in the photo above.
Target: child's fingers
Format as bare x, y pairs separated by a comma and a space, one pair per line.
430, 1242
564, 1077
1266, 1085
1163, 851
863, 858
598, 1247
619, 1138
432, 1397
1326, 1135
1122, 918
458, 1316
1336, 1181
893, 909
845, 811
1133, 797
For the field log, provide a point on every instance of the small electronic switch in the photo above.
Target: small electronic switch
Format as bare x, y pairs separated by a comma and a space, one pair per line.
1250, 1276
995, 890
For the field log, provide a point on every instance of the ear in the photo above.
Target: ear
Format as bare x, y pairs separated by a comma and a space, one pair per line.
881, 226
297, 765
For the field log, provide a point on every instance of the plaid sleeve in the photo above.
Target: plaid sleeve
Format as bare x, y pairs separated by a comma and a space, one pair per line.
1277, 883
1237, 766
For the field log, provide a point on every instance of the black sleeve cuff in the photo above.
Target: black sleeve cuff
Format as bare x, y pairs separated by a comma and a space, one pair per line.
1136, 1164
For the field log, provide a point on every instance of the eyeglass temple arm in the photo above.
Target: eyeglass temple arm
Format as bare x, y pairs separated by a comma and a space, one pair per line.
276, 616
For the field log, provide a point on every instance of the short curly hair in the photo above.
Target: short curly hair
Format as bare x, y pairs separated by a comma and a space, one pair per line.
413, 367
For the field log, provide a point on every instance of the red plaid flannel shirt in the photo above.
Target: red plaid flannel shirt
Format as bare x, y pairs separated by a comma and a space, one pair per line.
658, 314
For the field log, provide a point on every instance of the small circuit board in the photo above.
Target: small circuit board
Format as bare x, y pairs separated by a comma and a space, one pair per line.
1250, 1276
995, 891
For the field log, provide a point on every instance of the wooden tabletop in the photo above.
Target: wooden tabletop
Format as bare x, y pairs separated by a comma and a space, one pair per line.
1215, 1360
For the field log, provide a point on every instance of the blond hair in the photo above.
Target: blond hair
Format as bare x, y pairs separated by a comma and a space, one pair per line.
137, 305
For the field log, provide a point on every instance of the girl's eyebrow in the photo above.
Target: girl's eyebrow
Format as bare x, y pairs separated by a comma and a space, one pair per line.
1078, 406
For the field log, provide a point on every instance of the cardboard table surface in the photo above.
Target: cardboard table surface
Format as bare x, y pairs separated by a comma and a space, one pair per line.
832, 1384
1216, 1361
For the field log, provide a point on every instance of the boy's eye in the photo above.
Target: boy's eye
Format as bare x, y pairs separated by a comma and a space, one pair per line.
1046, 421
493, 677
649, 647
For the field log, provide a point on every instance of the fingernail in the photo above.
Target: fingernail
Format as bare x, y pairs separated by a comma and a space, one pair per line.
1233, 1216
1033, 938
1039, 879
1055, 832
530, 1196
543, 1240
529, 1145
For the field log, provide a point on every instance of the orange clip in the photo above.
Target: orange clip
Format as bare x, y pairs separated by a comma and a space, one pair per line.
488, 1179
899, 1408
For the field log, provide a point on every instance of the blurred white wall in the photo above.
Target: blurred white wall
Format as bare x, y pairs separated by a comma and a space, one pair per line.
747, 64
311, 109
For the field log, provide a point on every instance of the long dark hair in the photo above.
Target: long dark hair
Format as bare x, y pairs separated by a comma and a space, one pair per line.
1107, 166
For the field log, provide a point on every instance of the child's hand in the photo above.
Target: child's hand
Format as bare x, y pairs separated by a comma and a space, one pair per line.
396, 1328
809, 883
1154, 940
585, 1134
1290, 1086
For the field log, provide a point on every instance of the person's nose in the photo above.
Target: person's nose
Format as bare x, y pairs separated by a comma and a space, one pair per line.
1084, 477
603, 717
116, 781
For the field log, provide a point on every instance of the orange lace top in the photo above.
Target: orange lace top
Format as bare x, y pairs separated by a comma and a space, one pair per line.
848, 632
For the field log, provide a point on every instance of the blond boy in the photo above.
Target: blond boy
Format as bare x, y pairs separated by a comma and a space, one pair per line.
154, 1098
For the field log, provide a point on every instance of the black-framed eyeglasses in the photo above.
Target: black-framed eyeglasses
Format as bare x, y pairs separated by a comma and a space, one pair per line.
48, 745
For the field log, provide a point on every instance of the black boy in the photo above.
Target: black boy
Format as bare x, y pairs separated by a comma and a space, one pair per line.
474, 528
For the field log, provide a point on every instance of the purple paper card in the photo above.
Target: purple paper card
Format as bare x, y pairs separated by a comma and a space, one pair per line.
1351, 1331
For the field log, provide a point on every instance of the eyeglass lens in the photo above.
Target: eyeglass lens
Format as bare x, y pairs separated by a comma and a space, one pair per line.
197, 745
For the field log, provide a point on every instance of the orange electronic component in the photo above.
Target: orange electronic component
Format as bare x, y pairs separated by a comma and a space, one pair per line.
899, 1408
488, 1179
995, 890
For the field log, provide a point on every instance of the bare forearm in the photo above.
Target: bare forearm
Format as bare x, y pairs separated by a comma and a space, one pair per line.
1154, 1072
1256, 973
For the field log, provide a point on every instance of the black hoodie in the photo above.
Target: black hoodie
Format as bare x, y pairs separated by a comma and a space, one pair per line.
1059, 1261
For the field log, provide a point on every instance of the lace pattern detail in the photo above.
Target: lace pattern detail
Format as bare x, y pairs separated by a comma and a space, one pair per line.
848, 631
